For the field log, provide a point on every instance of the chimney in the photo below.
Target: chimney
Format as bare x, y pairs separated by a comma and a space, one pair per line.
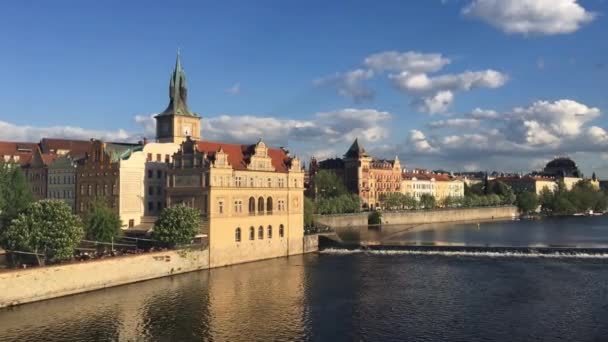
145, 141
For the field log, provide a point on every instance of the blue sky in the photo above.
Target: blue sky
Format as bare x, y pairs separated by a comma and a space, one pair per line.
313, 75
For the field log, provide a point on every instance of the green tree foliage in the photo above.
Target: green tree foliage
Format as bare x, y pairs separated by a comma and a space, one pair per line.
398, 201
15, 195
346, 203
47, 228
375, 217
176, 226
527, 202
309, 209
581, 198
101, 223
427, 201
328, 185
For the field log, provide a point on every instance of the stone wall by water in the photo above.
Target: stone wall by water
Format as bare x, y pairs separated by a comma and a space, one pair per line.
30, 285
311, 243
420, 216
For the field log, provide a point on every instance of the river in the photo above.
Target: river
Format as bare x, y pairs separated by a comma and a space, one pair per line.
367, 295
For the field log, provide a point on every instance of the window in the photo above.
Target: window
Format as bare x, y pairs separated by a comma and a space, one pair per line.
150, 190
131, 223
237, 235
270, 182
251, 206
167, 159
281, 182
251, 233
281, 231
105, 189
261, 205
237, 182
220, 207
90, 190
270, 232
158, 158
159, 174
114, 189
159, 206
150, 206
159, 190
260, 233
269, 205
238, 206
82, 189
150, 174
149, 158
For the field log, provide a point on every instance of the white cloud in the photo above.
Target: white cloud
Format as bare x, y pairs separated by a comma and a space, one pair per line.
418, 140
455, 123
411, 61
479, 113
530, 17
13, 132
435, 94
349, 84
234, 90
147, 122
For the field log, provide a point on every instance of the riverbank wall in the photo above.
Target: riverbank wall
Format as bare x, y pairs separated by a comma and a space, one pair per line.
420, 216
20, 286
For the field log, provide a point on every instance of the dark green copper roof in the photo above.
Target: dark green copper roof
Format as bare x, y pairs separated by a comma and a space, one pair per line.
178, 92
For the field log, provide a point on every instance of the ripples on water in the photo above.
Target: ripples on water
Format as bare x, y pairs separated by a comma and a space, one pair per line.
335, 296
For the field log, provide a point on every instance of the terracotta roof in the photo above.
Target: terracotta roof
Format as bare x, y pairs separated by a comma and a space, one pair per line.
76, 147
22, 149
238, 155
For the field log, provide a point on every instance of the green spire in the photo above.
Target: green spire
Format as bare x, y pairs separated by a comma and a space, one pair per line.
178, 91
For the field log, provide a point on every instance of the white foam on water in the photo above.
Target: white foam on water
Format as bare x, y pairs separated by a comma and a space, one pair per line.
487, 254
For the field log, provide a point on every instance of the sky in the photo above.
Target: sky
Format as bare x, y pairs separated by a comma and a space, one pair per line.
459, 85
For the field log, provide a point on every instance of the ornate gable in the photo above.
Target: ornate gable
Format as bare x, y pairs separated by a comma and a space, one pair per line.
259, 160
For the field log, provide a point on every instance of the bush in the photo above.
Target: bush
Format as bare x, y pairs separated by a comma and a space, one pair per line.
176, 226
102, 224
527, 202
47, 228
375, 217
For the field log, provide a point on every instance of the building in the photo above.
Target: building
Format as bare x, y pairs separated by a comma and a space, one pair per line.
448, 186
177, 122
367, 177
417, 184
98, 176
530, 183
16, 152
251, 197
61, 180
565, 169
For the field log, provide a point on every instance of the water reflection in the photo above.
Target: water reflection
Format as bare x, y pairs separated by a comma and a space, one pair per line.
589, 232
265, 299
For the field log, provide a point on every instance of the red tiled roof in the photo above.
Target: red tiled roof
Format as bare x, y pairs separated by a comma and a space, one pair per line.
76, 147
22, 149
238, 155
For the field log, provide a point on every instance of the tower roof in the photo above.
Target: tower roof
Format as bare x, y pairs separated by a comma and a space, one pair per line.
356, 150
178, 92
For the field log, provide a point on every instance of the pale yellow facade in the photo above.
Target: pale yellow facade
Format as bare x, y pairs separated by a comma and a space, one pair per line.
453, 188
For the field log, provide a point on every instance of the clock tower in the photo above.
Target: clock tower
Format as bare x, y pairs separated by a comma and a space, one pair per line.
177, 122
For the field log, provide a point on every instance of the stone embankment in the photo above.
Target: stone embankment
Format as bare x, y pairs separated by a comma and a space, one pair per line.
420, 216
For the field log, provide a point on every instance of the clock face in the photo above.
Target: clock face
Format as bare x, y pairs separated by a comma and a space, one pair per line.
187, 130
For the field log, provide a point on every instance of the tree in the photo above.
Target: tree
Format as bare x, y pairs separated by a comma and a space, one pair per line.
102, 224
309, 209
15, 195
427, 201
176, 226
375, 217
392, 200
328, 185
47, 228
527, 202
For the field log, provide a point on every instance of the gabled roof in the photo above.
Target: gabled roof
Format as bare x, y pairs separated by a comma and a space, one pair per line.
23, 150
238, 155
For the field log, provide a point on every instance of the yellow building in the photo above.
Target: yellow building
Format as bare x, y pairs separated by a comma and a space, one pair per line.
440, 186
251, 197
446, 186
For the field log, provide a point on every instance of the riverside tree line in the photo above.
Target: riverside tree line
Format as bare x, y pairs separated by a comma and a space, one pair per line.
332, 197
48, 232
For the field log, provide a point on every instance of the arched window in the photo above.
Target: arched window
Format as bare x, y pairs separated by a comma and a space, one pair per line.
261, 205
237, 235
269, 205
281, 231
251, 233
270, 232
251, 206
260, 233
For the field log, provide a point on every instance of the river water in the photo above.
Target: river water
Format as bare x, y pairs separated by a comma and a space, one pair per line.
361, 294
